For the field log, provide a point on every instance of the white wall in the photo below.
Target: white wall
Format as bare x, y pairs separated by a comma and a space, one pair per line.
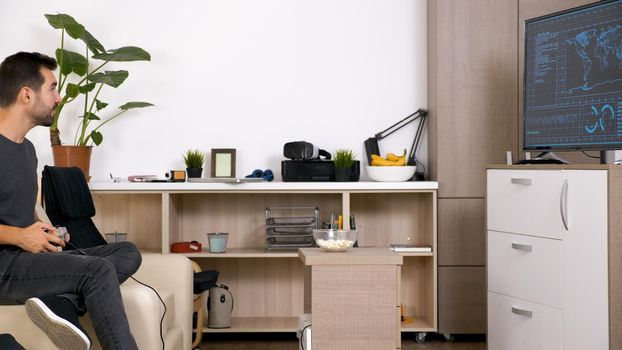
244, 74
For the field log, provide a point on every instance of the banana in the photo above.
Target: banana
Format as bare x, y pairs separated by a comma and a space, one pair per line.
375, 156
394, 158
377, 160
390, 160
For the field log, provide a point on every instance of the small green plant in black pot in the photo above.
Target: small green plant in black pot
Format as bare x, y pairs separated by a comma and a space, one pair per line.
194, 160
344, 159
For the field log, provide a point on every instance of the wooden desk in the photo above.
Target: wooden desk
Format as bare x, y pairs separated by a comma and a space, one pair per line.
354, 298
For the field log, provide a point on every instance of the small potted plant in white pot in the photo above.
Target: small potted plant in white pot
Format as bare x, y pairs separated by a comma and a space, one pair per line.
194, 160
344, 159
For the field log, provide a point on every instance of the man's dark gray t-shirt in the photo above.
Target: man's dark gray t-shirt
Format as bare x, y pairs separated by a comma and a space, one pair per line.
18, 182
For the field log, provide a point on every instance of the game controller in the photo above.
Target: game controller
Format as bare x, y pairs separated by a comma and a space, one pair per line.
60, 232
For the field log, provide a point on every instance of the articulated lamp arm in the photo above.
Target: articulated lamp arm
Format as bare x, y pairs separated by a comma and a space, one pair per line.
371, 144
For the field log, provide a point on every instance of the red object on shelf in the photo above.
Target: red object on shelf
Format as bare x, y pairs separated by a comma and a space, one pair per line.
186, 247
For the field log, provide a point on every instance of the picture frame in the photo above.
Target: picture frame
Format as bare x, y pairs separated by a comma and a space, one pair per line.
223, 162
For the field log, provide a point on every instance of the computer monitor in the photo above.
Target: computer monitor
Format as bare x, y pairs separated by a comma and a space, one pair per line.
572, 90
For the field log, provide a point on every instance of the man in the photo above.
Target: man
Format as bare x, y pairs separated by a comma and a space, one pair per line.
55, 286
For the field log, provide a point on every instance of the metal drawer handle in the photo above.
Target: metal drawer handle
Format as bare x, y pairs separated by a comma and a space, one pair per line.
563, 204
521, 181
522, 312
525, 247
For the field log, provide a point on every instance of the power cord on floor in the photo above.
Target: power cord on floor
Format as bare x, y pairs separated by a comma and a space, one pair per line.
144, 284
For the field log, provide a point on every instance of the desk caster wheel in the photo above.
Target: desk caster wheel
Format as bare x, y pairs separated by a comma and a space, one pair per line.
448, 337
420, 337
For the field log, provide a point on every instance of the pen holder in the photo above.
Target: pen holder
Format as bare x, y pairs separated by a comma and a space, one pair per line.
217, 242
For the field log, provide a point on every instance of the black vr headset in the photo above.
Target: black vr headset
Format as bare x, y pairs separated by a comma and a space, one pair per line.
301, 150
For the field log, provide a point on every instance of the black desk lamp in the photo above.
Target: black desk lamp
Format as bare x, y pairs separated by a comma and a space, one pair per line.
371, 144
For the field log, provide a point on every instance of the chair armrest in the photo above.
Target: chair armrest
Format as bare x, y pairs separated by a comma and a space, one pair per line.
173, 273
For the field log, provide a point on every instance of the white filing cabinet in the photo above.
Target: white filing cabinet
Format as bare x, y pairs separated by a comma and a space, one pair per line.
550, 237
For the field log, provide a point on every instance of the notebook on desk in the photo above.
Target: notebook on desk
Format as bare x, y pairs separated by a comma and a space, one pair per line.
410, 248
224, 179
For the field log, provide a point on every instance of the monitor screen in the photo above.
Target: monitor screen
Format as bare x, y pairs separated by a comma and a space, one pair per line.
573, 79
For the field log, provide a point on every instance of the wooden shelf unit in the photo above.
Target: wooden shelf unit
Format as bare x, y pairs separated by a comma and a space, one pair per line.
258, 325
268, 286
418, 324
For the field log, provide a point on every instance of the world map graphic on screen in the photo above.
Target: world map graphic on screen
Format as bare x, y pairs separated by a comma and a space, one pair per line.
573, 79
598, 45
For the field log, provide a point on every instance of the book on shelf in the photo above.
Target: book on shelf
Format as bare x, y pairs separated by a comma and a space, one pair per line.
410, 248
141, 178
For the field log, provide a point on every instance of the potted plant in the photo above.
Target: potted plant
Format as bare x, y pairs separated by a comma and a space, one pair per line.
194, 162
88, 81
344, 159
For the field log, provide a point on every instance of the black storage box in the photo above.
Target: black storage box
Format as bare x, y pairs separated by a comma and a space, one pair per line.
314, 170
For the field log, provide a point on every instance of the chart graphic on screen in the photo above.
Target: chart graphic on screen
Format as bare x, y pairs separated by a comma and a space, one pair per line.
573, 80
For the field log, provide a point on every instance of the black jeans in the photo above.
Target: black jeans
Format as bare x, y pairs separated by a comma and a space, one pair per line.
8, 342
93, 278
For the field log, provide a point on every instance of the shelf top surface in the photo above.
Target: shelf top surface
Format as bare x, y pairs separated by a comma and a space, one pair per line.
293, 253
355, 256
262, 186
554, 166
244, 253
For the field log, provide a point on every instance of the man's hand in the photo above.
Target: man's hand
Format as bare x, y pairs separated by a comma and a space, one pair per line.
36, 238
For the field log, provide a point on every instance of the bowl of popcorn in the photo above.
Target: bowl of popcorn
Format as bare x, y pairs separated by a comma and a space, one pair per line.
332, 240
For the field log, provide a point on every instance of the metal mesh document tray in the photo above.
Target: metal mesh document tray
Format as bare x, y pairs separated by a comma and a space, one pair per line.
291, 232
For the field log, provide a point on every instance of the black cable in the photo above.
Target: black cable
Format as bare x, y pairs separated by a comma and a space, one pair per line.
425, 176
144, 284
161, 301
587, 155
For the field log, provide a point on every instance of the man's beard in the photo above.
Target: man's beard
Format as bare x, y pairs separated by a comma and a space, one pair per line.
44, 118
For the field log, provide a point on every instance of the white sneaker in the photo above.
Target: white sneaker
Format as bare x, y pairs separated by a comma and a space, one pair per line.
62, 332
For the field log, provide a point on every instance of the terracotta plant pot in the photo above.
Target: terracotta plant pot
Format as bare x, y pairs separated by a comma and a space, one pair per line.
70, 156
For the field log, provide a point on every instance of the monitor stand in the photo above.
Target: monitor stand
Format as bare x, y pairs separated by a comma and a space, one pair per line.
544, 158
607, 157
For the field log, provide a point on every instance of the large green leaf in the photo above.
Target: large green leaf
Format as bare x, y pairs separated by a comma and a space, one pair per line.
100, 105
87, 88
91, 116
124, 54
72, 90
97, 137
93, 44
68, 23
112, 78
131, 105
71, 62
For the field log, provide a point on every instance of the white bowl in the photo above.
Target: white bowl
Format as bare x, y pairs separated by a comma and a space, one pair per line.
391, 173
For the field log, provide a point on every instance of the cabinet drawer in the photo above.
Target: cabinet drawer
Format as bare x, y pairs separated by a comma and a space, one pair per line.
514, 324
525, 267
525, 201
